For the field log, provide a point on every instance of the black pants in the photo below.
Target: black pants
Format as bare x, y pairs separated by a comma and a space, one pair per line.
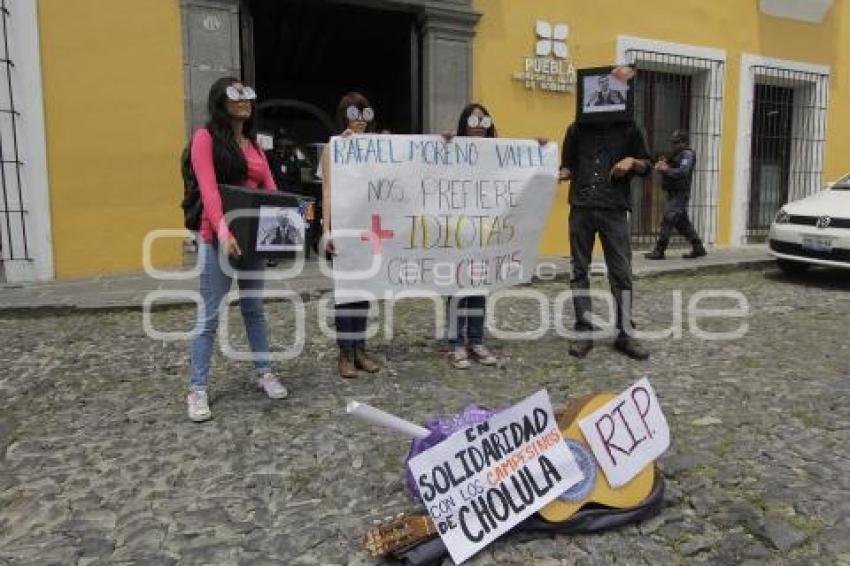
465, 316
612, 225
676, 217
351, 320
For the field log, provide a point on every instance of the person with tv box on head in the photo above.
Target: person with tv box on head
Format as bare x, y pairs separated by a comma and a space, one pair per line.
676, 177
601, 153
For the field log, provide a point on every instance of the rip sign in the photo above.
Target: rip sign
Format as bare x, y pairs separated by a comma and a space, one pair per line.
627, 433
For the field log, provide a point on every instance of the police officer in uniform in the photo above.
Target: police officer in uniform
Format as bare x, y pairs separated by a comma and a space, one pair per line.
676, 177
600, 161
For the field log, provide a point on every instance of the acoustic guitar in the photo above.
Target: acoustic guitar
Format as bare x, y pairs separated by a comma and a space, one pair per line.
594, 488
405, 531
398, 533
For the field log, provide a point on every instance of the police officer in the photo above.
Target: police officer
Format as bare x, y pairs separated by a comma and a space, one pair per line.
600, 161
284, 165
676, 177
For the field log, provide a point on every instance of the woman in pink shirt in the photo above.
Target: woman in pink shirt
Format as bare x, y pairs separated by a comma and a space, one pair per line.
225, 152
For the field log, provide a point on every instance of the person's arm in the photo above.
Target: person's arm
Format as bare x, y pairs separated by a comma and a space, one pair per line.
326, 199
268, 181
637, 160
686, 165
568, 155
640, 152
203, 165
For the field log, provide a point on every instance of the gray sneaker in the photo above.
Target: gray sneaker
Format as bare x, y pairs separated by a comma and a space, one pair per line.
198, 406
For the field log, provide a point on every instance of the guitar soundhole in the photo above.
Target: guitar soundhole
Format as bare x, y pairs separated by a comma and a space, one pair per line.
587, 465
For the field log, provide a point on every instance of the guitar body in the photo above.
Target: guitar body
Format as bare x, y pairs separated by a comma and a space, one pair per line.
628, 495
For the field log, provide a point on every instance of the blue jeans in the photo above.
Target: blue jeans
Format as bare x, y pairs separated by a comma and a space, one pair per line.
215, 284
465, 316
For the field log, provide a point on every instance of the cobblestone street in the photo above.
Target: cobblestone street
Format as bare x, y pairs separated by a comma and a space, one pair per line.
99, 464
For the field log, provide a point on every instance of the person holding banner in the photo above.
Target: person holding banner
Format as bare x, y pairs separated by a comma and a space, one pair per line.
225, 151
354, 116
465, 314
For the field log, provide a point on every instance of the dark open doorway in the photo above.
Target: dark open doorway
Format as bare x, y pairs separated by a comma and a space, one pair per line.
304, 55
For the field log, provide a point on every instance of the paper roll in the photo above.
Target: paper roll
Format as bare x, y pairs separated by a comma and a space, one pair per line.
386, 420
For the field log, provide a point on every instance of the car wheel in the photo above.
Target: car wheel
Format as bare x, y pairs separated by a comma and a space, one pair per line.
792, 267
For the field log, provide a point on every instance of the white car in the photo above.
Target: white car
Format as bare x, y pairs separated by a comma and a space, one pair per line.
814, 230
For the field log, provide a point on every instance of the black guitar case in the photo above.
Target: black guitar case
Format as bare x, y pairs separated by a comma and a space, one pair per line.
590, 519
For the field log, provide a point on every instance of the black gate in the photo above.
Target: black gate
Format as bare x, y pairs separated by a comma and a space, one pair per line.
786, 146
677, 92
13, 214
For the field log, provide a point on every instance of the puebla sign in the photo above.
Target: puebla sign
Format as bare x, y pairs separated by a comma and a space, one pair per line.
549, 69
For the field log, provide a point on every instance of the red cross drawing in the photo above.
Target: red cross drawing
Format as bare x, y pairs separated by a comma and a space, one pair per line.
377, 235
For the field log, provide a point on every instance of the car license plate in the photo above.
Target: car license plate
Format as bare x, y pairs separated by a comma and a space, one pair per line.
816, 244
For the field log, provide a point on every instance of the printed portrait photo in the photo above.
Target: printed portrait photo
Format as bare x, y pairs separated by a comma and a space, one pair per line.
280, 229
604, 93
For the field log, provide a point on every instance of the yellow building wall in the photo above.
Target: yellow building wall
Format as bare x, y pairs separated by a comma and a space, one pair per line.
505, 36
113, 91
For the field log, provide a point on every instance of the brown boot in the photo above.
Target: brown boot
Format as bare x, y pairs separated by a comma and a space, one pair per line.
364, 361
347, 369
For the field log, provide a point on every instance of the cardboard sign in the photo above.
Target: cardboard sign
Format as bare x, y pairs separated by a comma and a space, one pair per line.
433, 216
479, 483
628, 433
266, 224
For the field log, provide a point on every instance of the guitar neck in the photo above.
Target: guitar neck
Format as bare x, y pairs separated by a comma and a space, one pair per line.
397, 534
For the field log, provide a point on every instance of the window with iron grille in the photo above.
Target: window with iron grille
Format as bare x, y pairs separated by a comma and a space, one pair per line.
677, 92
13, 212
787, 142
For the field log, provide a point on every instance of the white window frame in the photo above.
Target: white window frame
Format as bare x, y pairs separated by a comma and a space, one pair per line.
713, 82
743, 148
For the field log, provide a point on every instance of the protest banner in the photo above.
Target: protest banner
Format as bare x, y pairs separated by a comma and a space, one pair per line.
628, 433
480, 482
420, 215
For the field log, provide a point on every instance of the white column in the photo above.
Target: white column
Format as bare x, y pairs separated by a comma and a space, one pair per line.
23, 39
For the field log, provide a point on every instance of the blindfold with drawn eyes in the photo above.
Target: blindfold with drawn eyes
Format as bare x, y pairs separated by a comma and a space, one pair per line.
237, 93
484, 122
354, 114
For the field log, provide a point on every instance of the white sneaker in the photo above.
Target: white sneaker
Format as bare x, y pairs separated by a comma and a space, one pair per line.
273, 388
483, 356
458, 358
199, 408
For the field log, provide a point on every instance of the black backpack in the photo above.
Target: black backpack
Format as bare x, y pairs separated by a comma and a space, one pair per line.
192, 205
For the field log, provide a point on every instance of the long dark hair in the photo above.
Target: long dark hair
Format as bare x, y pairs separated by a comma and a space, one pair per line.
463, 127
352, 99
230, 165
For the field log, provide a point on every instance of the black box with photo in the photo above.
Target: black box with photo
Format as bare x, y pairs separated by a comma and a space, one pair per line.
266, 224
605, 94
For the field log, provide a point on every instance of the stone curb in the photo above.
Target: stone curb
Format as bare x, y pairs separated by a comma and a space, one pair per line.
45, 310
